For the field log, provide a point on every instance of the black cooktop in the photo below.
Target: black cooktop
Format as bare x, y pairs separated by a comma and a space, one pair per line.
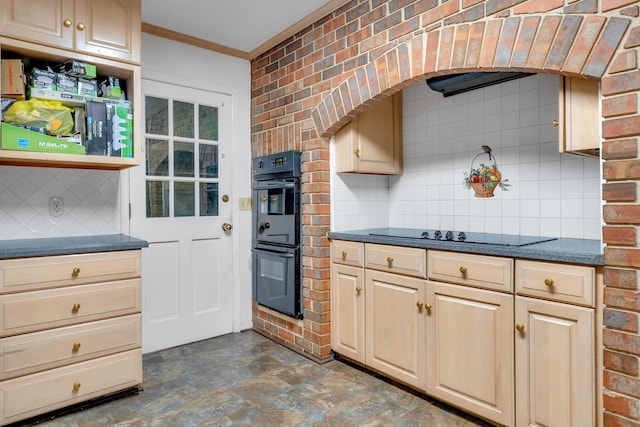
463, 236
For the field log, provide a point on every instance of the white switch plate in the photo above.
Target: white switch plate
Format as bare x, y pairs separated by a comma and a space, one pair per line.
245, 203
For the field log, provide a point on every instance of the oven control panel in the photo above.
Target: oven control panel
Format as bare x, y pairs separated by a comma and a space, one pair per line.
285, 163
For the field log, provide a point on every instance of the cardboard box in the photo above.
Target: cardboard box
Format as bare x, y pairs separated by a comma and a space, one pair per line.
110, 88
66, 83
119, 131
21, 139
78, 69
96, 113
88, 87
43, 79
13, 78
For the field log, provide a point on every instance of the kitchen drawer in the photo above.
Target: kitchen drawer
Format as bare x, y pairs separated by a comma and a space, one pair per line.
38, 351
25, 274
39, 393
396, 259
51, 308
349, 253
574, 284
482, 271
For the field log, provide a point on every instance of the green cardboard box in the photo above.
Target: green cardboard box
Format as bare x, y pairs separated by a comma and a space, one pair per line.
20, 139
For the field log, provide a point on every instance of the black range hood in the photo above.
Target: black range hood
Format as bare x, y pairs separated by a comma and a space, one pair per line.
457, 83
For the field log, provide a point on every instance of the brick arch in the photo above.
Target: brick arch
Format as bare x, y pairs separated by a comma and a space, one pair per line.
550, 44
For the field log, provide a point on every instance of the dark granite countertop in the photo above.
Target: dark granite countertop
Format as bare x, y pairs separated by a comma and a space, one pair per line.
18, 248
574, 251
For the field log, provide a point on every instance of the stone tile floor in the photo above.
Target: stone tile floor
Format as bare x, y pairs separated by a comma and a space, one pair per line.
248, 380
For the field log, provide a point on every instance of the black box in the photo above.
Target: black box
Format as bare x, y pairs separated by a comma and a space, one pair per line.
96, 128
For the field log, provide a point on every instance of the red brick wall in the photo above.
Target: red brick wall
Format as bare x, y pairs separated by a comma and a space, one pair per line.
307, 87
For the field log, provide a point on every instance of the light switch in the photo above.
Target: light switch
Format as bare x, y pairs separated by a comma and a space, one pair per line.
245, 203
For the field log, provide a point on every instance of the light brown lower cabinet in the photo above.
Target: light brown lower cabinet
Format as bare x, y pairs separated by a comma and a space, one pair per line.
347, 308
395, 326
555, 375
470, 349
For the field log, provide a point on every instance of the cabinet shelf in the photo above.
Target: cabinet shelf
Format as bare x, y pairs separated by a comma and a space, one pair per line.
129, 75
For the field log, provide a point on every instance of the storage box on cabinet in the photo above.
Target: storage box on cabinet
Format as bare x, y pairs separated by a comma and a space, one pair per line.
22, 274
30, 395
481, 271
573, 284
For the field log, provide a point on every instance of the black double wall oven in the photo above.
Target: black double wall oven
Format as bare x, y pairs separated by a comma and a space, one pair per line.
276, 239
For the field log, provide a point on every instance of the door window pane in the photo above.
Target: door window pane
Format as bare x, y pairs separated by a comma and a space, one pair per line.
208, 161
183, 161
208, 199
157, 199
156, 115
183, 120
208, 122
184, 199
157, 155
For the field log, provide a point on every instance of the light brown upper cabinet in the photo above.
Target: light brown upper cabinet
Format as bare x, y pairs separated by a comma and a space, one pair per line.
579, 116
372, 141
106, 28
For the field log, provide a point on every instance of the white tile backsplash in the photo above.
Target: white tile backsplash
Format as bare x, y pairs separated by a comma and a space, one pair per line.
551, 194
91, 202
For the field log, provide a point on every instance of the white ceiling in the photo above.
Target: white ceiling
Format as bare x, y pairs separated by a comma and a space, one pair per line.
243, 25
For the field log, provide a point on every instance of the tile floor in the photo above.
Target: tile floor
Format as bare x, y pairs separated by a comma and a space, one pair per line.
248, 380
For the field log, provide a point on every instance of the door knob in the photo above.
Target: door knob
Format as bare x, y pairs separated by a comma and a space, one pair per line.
225, 198
67, 23
226, 227
80, 26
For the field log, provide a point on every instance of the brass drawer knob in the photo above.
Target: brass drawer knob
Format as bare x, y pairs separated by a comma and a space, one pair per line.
548, 282
520, 327
344, 254
389, 261
356, 152
463, 269
75, 272
76, 347
358, 290
67, 23
555, 123
427, 307
75, 308
76, 387
80, 26
419, 305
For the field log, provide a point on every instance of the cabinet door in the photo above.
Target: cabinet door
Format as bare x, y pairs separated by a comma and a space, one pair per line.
579, 109
372, 141
470, 349
395, 326
555, 368
347, 311
41, 21
110, 28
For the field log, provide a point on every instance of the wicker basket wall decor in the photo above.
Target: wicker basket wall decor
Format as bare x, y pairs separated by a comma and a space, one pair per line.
484, 179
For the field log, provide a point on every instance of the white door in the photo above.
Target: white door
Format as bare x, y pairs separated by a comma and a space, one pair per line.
179, 204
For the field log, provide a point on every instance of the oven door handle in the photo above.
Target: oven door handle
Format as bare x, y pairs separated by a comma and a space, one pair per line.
273, 186
277, 254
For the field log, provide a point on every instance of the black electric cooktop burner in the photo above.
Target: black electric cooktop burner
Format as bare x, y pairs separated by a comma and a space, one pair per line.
463, 236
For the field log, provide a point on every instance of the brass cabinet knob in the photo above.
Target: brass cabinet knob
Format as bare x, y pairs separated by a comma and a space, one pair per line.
389, 261
76, 387
80, 26
226, 227
344, 254
463, 269
548, 282
263, 198
555, 123
67, 23
75, 308
75, 271
76, 347
520, 327
428, 307
358, 289
419, 305
356, 152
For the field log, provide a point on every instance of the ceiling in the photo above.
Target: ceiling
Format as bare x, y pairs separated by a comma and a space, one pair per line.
246, 27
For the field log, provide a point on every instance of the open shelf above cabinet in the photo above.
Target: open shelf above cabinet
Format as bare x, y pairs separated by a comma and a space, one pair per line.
129, 76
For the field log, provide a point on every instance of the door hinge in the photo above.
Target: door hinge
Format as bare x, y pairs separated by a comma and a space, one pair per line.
129, 210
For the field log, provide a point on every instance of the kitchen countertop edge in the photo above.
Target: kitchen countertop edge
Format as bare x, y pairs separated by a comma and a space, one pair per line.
21, 248
574, 251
